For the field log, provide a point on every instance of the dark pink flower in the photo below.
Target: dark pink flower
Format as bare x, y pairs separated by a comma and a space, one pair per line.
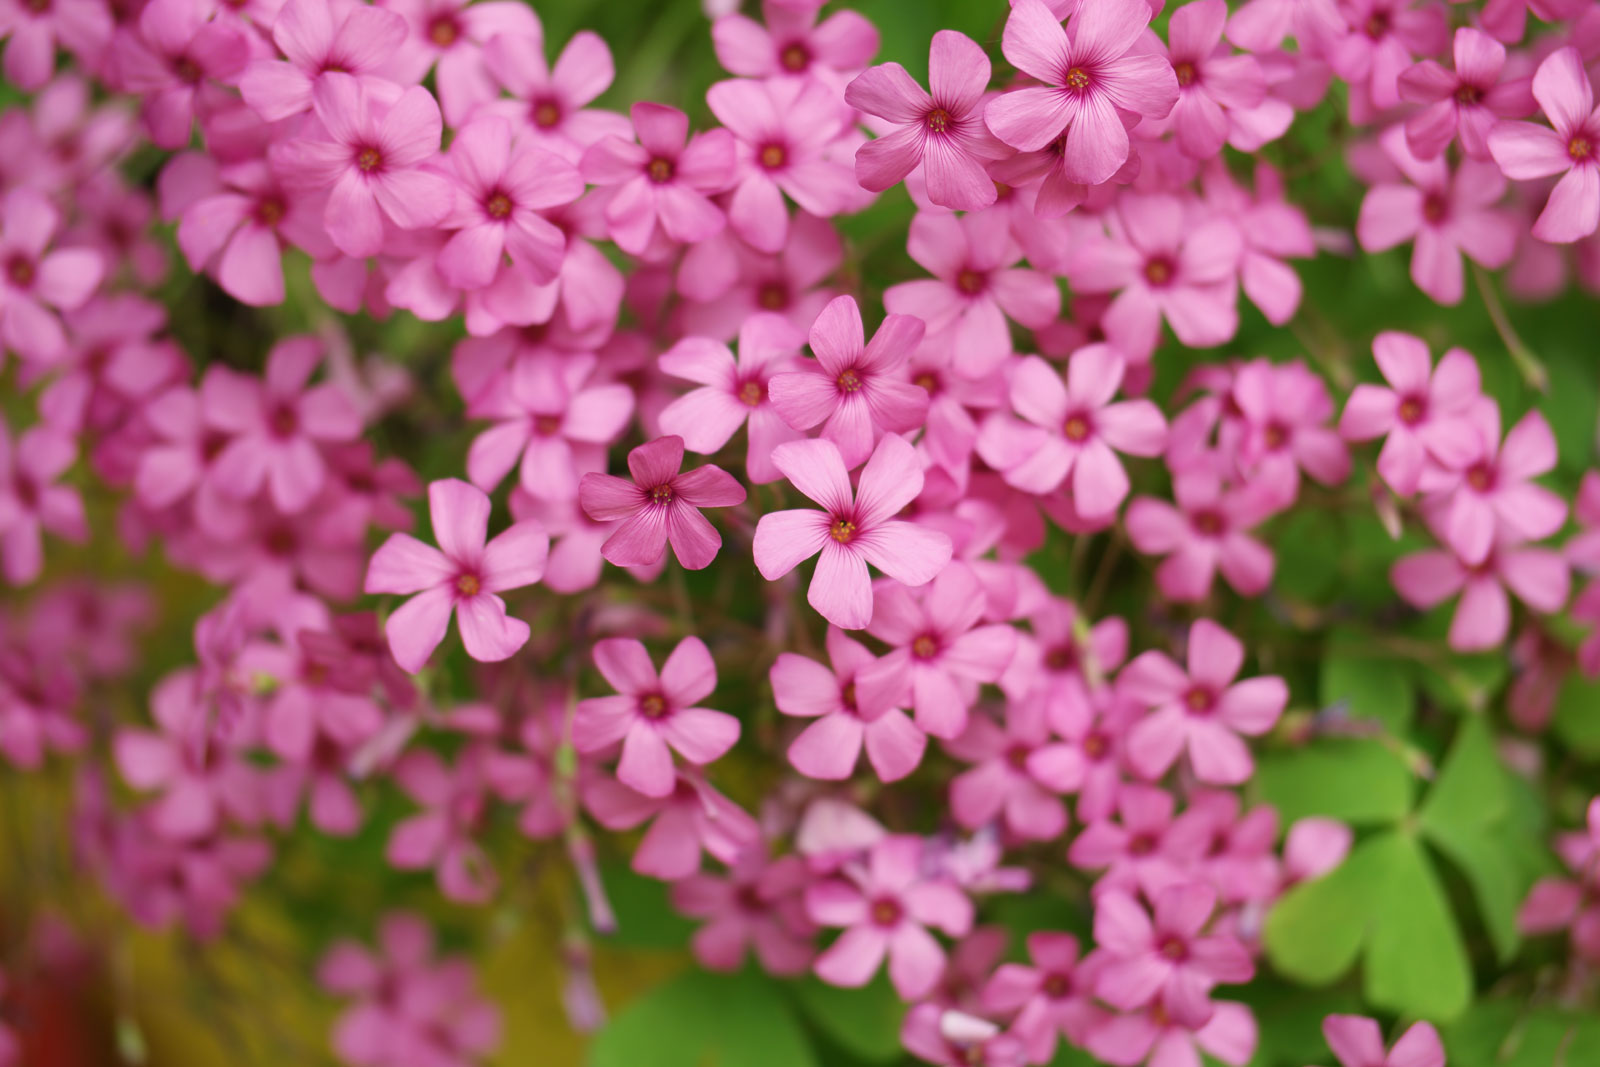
82, 27
445, 834
552, 102
1146, 849
1212, 82
1283, 409
31, 501
660, 506
35, 282
449, 36
757, 907
1151, 1036
1381, 39
1019, 775
178, 46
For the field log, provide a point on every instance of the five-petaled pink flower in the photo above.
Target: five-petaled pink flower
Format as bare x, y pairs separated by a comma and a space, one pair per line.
33, 280
1205, 532
660, 506
1526, 151
1167, 959
1466, 102
944, 132
318, 38
654, 715
463, 575
1538, 576
1211, 81
1201, 710
31, 501
852, 530
1358, 1042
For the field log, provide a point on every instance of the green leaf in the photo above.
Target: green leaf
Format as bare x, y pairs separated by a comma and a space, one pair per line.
705, 1020
1316, 930
1470, 791
1416, 963
1356, 780
1465, 683
1308, 557
1507, 1033
1577, 715
1371, 687
864, 1022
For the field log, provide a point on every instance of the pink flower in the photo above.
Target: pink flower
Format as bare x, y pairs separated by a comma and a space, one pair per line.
275, 426
1167, 960
844, 718
1020, 772
1283, 409
1167, 266
1092, 76
783, 130
82, 27
1508, 19
1205, 532
976, 284
944, 132
316, 39
886, 907
1074, 429
757, 907
1422, 416
1538, 577
1202, 710
654, 715
449, 36
727, 281
179, 44
553, 102
660, 505
1147, 849
1382, 37
1526, 151
31, 501
1444, 216
949, 1038
1494, 496
370, 160
1358, 1042
849, 532
445, 834
939, 655
33, 281
501, 187
1048, 995
663, 180
1466, 102
853, 387
793, 42
462, 576
1153, 1037
733, 392
692, 818
1272, 230
1212, 83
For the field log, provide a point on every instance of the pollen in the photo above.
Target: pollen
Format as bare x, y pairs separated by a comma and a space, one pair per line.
926, 646
850, 382
497, 206
970, 281
661, 494
660, 170
546, 113
652, 705
1411, 410
774, 156
795, 58
1077, 78
842, 531
1158, 271
444, 32
750, 393
1186, 74
1076, 428
939, 120
369, 160
468, 585
1580, 148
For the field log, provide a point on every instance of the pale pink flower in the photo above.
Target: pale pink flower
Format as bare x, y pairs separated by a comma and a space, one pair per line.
726, 281
944, 132
662, 182
32, 501
794, 42
553, 101
462, 576
1466, 102
1538, 576
177, 47
1508, 19
1208, 530
950, 1038
318, 38
1075, 432
1019, 775
1093, 74
1168, 959
692, 818
275, 425
976, 285
449, 36
653, 714
783, 131
886, 906
660, 506
36, 282
1151, 1036
851, 530
852, 388
1202, 710
1382, 38
370, 160
1444, 215
1526, 151
757, 908
845, 717
1048, 995
1147, 848
939, 655
444, 835
1357, 1041
1283, 410
1422, 415
1212, 82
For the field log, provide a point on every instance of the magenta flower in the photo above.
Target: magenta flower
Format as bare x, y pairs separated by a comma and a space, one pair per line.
793, 42
1358, 1042
463, 576
1281, 428
1526, 151
853, 388
733, 392
1212, 82
370, 161
275, 425
1444, 216
317, 39
553, 102
1382, 38
949, 1038
1168, 959
757, 908
845, 718
852, 530
31, 501
82, 27
1508, 19
445, 834
944, 132
1538, 576
501, 188
1205, 532
1152, 1036
654, 715
663, 181
1019, 773
939, 655
1049, 995
886, 909
976, 285
1467, 102
180, 44
1201, 710
33, 280
1075, 431
1422, 415
783, 131
660, 506
449, 36
1494, 496
692, 818
1093, 74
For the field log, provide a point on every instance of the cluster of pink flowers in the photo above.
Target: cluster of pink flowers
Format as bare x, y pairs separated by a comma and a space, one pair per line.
918, 463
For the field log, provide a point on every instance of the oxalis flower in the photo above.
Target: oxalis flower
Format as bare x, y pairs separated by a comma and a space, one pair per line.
660, 505
1526, 151
852, 530
463, 575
